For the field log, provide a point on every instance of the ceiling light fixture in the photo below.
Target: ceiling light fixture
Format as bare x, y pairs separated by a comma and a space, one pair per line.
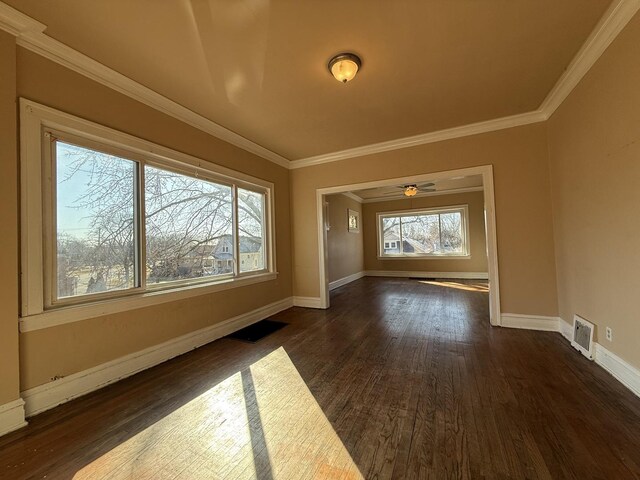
410, 190
344, 66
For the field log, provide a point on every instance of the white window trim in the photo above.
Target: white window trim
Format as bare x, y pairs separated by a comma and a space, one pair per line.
421, 256
34, 119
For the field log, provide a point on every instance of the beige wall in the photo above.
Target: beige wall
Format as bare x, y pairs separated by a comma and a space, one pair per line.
477, 262
344, 247
523, 207
9, 384
595, 172
70, 348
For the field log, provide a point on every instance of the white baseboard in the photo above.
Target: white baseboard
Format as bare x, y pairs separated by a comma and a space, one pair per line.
12, 416
343, 281
625, 373
565, 329
407, 274
49, 395
307, 302
622, 371
530, 322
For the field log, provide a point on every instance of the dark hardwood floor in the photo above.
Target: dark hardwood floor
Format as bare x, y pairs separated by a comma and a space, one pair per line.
399, 379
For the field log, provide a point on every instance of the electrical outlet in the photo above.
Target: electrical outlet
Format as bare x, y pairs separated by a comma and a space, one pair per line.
609, 334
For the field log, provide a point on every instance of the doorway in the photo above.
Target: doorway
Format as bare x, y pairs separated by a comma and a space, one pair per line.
485, 176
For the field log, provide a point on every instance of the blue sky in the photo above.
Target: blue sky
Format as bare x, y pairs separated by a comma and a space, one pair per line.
72, 218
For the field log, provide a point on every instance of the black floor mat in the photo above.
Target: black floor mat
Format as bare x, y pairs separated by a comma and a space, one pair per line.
257, 331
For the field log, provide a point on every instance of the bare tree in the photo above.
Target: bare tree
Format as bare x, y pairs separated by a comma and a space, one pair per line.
431, 233
109, 196
184, 218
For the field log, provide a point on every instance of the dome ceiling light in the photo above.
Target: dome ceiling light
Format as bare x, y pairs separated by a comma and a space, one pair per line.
344, 66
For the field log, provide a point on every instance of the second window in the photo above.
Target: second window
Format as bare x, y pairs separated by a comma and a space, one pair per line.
438, 232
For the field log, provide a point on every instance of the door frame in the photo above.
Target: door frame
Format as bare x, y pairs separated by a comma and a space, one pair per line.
489, 215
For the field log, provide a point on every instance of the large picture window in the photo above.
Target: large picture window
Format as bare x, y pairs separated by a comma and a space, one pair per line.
111, 222
438, 232
196, 228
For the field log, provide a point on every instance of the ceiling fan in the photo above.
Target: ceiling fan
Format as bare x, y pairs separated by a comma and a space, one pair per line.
408, 190
412, 189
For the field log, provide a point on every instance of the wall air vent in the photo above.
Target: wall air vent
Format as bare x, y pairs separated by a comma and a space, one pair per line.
583, 336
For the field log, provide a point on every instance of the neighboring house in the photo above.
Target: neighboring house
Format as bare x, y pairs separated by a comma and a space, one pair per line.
222, 255
391, 243
250, 254
409, 245
216, 258
198, 261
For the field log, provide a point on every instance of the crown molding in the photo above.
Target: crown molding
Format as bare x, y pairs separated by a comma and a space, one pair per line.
17, 23
353, 196
424, 138
619, 13
30, 34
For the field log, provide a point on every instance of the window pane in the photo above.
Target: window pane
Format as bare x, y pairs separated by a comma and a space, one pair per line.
95, 203
421, 234
451, 233
391, 235
251, 230
424, 234
188, 227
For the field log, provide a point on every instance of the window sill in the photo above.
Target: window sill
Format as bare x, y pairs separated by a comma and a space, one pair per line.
425, 257
76, 313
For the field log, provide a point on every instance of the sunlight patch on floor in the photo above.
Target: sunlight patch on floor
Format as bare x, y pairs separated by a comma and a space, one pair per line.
260, 423
476, 287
